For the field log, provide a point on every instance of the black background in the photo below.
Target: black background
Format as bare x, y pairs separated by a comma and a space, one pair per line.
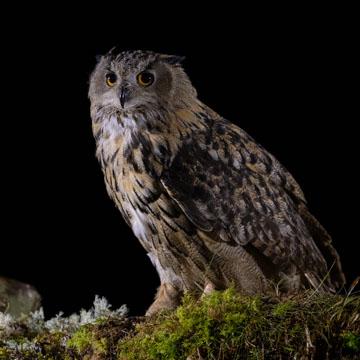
286, 76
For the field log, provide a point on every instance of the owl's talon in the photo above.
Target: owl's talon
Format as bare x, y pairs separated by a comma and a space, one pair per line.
167, 298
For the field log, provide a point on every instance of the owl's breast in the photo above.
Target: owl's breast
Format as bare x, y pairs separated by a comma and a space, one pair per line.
132, 162
134, 193
131, 181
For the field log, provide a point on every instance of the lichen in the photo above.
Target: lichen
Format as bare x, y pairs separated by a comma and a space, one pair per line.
32, 336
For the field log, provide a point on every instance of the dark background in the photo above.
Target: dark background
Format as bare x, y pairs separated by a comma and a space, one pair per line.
286, 76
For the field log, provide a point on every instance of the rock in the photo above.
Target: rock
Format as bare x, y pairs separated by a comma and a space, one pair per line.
18, 298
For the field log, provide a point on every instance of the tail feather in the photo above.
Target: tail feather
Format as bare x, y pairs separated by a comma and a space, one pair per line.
336, 277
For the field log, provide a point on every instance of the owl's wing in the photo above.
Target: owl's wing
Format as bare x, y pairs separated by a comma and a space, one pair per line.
228, 184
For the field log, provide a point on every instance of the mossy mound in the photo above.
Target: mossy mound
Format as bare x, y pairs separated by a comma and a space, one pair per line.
228, 326
224, 325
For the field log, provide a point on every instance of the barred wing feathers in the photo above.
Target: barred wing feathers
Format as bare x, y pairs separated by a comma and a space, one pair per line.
228, 184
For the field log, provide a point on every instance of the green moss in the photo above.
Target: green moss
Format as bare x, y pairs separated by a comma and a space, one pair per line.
82, 339
102, 346
283, 308
352, 342
226, 325
4, 354
85, 342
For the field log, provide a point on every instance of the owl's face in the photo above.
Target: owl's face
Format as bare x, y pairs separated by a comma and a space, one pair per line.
139, 80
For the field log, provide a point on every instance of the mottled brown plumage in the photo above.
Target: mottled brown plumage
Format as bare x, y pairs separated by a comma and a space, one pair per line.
209, 204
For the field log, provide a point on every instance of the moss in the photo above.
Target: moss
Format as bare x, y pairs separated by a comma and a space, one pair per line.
224, 325
102, 345
352, 342
85, 342
4, 354
283, 308
82, 339
98, 341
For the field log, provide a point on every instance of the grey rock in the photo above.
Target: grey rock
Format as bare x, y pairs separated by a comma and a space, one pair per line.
17, 298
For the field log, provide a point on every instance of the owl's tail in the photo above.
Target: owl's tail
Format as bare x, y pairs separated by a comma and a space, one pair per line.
336, 277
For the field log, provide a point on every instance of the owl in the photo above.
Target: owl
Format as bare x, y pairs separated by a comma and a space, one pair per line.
210, 205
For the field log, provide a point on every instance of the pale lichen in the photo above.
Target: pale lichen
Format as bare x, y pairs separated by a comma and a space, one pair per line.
32, 334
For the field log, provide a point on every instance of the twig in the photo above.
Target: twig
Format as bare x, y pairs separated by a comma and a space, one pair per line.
309, 344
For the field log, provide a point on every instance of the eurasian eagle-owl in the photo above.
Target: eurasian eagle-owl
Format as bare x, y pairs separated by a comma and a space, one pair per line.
209, 204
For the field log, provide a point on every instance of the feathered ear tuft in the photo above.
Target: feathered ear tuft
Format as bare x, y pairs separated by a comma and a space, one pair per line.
174, 60
113, 51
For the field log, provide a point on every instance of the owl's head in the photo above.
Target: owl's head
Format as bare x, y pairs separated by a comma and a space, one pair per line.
135, 80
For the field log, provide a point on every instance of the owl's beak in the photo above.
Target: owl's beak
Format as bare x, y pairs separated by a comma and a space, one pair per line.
123, 96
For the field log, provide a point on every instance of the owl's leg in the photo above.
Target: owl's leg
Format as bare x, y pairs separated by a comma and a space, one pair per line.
167, 298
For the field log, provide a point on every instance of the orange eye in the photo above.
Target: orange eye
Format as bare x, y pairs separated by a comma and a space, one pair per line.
145, 78
111, 79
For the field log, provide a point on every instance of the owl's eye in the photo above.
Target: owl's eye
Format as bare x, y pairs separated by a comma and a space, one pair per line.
111, 79
145, 78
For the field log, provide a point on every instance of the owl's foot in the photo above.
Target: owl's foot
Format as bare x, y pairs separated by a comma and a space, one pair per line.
208, 290
167, 298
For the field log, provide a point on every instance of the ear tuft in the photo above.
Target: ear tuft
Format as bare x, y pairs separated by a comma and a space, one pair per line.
174, 60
